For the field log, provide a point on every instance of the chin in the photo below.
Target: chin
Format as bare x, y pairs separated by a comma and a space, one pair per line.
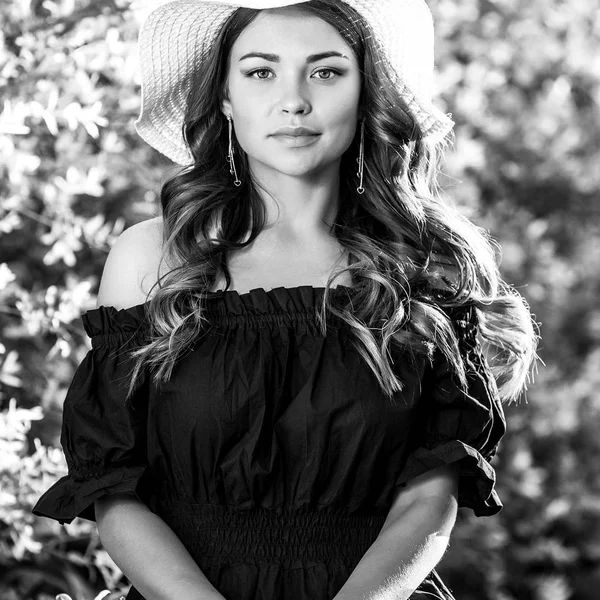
305, 165
300, 171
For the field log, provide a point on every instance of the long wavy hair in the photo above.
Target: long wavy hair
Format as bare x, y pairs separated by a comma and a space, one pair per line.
411, 255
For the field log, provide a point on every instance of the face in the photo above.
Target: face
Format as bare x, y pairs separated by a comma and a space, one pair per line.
291, 89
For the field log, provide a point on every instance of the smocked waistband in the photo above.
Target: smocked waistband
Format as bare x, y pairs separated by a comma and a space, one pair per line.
291, 537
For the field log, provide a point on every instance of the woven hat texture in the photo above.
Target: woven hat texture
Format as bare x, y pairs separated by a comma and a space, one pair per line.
177, 36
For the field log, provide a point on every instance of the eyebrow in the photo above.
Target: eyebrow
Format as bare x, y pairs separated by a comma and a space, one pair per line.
310, 59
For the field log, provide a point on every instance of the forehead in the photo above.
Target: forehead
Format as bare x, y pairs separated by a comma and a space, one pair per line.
288, 31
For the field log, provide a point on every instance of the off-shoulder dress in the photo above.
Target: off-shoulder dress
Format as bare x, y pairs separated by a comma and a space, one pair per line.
271, 452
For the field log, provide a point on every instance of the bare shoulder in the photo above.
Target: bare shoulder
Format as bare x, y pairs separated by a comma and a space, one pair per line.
132, 266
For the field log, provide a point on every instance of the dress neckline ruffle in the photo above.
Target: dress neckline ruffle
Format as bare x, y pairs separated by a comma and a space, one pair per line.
280, 300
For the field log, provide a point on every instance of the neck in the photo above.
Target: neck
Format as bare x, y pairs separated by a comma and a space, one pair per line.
299, 208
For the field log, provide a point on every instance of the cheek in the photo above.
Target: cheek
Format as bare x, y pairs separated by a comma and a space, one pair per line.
248, 119
343, 121
245, 102
247, 128
351, 101
344, 110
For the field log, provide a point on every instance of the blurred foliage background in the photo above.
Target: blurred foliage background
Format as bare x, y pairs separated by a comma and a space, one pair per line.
522, 80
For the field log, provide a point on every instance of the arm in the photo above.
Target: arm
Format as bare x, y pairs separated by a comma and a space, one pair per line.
145, 548
412, 541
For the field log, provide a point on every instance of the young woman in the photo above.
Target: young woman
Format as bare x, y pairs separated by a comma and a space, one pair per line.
297, 372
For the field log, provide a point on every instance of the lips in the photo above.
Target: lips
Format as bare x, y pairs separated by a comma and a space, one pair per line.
295, 132
296, 141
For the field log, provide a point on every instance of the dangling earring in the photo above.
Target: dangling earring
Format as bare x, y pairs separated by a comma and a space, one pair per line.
361, 158
232, 168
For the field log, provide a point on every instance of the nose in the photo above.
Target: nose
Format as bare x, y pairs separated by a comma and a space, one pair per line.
294, 99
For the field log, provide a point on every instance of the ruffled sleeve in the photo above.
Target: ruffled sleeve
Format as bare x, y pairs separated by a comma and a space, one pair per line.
103, 437
458, 426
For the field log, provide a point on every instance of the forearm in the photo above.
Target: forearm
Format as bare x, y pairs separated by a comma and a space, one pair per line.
148, 552
404, 553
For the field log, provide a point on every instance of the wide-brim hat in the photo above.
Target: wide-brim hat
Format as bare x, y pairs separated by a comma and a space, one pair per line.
176, 37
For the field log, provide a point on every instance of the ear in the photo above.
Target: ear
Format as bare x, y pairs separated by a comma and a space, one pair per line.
226, 108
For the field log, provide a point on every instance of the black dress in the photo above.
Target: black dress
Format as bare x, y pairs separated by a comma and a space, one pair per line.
271, 452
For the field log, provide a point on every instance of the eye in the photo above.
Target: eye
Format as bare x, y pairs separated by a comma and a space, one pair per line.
326, 70
251, 73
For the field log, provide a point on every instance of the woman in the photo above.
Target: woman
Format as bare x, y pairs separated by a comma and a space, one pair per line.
288, 395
